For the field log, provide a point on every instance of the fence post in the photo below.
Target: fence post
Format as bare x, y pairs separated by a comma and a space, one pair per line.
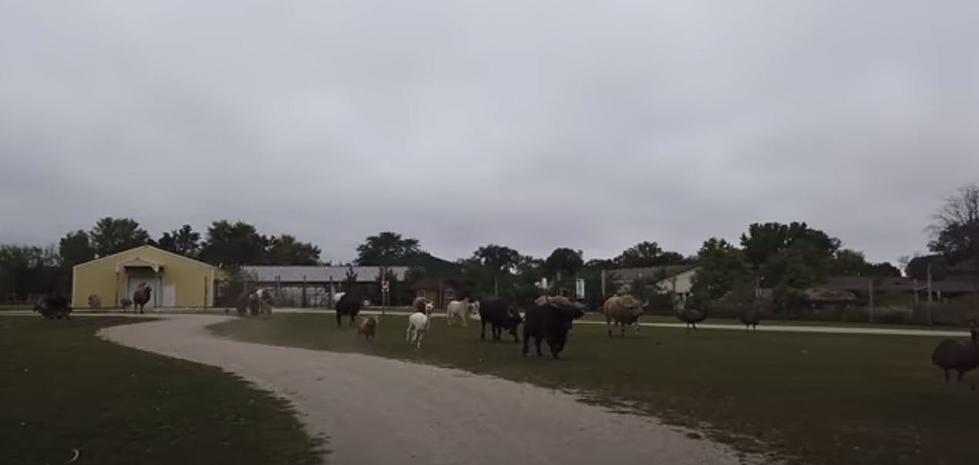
928, 305
304, 292
871, 286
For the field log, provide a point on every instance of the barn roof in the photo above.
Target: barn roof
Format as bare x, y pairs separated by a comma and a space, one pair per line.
319, 274
136, 251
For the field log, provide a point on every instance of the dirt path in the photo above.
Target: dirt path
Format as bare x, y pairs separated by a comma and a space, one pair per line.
381, 411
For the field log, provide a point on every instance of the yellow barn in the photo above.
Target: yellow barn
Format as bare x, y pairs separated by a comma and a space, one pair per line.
175, 280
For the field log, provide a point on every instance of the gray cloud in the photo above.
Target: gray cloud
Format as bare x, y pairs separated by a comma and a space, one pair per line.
592, 125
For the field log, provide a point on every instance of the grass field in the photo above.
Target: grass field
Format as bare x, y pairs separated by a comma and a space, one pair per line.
13, 307
659, 318
826, 399
62, 388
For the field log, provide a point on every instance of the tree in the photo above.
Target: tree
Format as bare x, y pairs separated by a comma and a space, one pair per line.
723, 268
27, 271
75, 248
646, 254
848, 262
564, 261
286, 250
788, 255
955, 233
386, 247
497, 259
599, 264
766, 240
234, 244
184, 241
529, 272
114, 235
917, 267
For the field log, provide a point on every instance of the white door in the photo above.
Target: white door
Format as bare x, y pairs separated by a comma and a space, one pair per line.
169, 295
151, 282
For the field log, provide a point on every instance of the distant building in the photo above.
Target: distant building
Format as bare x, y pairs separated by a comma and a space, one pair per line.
951, 287
312, 286
673, 279
175, 280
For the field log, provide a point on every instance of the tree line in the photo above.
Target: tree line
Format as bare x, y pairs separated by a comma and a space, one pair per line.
29, 270
779, 256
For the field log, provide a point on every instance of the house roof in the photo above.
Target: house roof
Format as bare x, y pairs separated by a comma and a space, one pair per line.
432, 283
144, 247
652, 272
818, 294
432, 265
319, 274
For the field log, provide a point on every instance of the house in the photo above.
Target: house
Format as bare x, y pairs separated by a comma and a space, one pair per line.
175, 280
673, 279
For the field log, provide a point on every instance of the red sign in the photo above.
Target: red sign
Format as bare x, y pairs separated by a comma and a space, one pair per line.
385, 286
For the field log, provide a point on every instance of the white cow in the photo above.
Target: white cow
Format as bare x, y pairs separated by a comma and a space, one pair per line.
461, 309
419, 323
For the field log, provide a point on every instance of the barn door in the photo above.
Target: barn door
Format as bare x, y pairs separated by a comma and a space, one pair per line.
169, 295
151, 281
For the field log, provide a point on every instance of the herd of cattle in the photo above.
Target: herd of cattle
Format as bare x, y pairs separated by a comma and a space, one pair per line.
548, 319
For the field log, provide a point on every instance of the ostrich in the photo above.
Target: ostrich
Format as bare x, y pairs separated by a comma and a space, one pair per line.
961, 356
691, 317
751, 317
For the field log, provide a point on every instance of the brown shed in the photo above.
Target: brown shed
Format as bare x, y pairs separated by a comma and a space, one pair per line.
438, 290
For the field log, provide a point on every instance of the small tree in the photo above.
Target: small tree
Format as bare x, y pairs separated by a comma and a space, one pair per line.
955, 233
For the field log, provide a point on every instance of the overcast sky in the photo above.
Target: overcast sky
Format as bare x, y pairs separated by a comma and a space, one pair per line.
534, 124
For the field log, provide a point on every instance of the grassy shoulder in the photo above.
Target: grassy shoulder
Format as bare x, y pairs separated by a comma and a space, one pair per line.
664, 318
823, 398
64, 389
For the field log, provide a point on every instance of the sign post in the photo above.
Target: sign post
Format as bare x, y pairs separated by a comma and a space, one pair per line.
385, 296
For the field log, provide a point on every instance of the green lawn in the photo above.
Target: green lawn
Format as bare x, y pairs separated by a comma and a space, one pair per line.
12, 307
62, 388
829, 399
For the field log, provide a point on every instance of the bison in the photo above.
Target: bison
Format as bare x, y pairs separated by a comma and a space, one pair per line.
54, 308
461, 309
350, 305
550, 318
622, 311
499, 315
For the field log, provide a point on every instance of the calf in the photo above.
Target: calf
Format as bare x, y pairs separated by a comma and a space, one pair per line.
550, 318
419, 322
461, 309
499, 315
367, 327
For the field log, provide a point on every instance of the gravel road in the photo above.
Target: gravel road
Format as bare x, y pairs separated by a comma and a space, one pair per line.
374, 410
